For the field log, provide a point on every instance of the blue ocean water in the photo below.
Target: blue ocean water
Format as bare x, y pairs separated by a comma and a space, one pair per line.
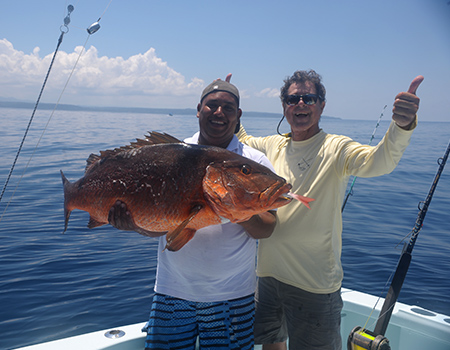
54, 285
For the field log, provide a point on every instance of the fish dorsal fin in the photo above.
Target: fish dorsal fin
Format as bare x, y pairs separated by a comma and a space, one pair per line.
154, 138
91, 161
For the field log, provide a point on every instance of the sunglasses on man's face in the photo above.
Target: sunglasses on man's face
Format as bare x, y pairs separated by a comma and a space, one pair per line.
309, 99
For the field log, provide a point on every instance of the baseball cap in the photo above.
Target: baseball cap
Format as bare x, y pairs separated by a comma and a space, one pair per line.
220, 85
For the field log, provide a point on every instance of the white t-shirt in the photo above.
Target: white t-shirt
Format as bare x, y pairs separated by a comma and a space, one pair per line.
218, 263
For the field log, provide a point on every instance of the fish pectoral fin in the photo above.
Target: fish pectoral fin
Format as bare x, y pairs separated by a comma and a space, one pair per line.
95, 223
181, 239
181, 235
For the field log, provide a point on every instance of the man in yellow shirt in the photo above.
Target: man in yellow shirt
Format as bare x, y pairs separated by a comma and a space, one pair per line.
299, 266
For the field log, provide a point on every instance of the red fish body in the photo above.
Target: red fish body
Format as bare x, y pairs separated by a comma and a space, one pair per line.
169, 186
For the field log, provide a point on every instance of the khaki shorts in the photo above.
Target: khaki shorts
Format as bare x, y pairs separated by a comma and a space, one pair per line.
311, 321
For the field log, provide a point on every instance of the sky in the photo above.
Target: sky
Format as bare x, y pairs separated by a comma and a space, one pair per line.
161, 54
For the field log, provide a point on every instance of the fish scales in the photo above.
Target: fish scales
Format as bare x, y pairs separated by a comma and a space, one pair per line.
144, 181
174, 187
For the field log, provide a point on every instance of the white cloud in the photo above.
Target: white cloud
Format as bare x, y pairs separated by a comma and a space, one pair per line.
16, 68
139, 76
268, 92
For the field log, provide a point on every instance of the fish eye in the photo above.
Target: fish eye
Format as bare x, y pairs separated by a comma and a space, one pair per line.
246, 169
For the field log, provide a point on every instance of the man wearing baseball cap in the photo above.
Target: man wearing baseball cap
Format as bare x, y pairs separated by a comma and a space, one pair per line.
205, 290
218, 113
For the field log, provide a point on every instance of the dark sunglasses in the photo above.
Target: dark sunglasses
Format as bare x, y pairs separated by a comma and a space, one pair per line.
309, 99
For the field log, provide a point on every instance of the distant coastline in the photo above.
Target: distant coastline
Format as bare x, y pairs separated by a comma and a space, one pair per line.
168, 111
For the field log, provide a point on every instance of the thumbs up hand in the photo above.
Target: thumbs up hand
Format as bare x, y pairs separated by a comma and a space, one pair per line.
406, 105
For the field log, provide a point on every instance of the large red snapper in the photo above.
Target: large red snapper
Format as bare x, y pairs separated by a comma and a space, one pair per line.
173, 187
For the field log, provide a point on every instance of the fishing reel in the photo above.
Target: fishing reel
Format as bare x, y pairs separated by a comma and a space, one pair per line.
363, 339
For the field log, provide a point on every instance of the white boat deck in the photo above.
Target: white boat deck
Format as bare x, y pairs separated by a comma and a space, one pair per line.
410, 327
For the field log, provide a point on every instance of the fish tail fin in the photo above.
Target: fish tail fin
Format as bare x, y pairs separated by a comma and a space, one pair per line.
66, 184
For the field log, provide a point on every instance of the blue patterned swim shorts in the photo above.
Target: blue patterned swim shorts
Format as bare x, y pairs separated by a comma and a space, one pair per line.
176, 323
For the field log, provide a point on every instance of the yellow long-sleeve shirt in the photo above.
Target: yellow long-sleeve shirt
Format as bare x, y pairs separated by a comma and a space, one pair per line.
305, 247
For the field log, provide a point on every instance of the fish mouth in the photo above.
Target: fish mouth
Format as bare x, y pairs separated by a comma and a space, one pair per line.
280, 194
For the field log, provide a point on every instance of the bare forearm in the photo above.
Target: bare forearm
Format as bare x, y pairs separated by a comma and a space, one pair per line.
261, 225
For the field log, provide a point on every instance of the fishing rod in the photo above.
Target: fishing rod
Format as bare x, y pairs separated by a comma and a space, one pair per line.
361, 338
64, 30
92, 29
350, 191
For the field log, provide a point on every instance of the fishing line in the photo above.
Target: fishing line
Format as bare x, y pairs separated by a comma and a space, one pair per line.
360, 335
378, 300
107, 7
350, 191
376, 303
93, 28
42, 134
423, 208
64, 29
